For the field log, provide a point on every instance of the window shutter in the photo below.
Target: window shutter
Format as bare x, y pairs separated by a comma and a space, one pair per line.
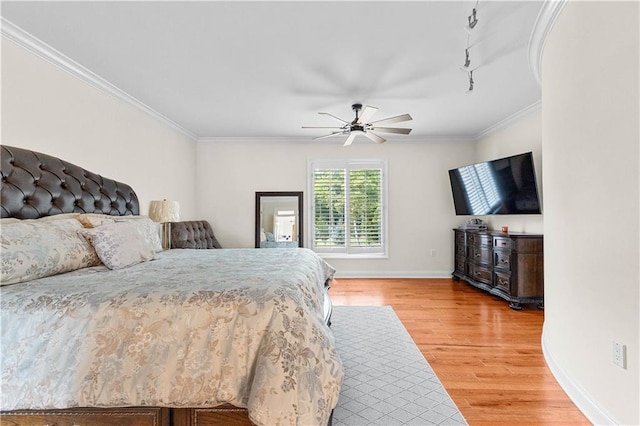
329, 203
348, 215
365, 208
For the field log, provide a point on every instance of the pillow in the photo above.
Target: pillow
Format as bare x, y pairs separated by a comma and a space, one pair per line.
269, 236
93, 220
119, 244
149, 229
60, 216
34, 248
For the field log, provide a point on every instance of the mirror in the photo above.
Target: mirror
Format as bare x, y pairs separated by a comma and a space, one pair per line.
279, 219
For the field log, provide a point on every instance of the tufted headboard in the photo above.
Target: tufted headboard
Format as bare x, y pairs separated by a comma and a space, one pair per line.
35, 185
194, 234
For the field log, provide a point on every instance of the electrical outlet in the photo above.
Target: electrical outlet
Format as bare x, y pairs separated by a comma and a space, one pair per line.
433, 252
620, 354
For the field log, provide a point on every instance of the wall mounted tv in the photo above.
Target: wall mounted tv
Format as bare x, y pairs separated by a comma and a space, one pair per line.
502, 186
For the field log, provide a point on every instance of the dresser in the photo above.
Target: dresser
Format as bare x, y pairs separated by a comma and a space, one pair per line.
510, 266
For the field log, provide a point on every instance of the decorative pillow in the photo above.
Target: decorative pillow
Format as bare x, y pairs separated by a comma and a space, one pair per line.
269, 236
93, 220
149, 229
8, 220
60, 216
35, 249
119, 244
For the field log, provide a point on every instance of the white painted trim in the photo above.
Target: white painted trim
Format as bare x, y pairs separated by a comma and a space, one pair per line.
393, 274
334, 141
504, 123
578, 395
22, 38
541, 29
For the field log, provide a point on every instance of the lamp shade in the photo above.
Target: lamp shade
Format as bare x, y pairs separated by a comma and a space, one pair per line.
164, 211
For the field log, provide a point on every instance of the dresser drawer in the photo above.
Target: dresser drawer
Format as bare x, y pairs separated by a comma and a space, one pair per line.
460, 239
480, 239
502, 259
460, 265
460, 251
481, 255
502, 242
503, 282
481, 274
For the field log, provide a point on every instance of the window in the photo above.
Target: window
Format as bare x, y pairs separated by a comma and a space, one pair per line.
347, 205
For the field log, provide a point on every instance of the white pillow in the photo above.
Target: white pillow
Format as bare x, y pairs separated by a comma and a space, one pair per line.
119, 244
35, 248
149, 229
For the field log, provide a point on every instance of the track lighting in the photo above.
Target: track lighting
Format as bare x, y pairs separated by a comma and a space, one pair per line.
467, 60
473, 20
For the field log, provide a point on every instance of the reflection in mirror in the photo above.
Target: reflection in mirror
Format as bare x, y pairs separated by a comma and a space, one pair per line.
278, 219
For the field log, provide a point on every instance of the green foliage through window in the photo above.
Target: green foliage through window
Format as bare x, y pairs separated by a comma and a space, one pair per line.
348, 208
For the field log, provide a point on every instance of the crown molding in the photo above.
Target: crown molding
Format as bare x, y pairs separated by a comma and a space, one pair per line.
331, 141
508, 121
541, 29
22, 38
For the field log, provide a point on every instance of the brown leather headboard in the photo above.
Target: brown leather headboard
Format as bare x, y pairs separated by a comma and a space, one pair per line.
36, 185
194, 234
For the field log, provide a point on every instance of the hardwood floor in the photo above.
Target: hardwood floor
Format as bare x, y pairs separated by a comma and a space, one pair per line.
487, 356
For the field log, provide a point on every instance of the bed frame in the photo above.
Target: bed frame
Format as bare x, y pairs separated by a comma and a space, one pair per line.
36, 185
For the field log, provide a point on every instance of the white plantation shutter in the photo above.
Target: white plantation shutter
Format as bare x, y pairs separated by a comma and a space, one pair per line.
348, 210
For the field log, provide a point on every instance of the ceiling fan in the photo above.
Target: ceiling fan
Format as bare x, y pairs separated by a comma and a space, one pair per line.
362, 126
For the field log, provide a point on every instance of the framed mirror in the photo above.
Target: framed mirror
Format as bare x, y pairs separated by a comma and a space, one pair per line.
279, 219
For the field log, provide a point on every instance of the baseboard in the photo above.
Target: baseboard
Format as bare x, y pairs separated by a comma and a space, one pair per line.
579, 396
393, 274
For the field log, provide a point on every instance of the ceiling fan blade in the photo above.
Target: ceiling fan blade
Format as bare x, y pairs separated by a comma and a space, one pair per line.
367, 113
396, 119
400, 130
350, 139
327, 136
337, 118
374, 137
321, 127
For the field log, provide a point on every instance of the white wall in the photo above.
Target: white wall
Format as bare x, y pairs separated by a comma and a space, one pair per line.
421, 213
523, 135
590, 133
48, 110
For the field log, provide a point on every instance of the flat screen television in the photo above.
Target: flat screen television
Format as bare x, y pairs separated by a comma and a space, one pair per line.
503, 186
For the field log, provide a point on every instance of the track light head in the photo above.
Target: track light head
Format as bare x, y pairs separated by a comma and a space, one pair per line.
473, 20
467, 60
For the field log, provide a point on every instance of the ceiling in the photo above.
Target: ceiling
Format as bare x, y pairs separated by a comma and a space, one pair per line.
264, 69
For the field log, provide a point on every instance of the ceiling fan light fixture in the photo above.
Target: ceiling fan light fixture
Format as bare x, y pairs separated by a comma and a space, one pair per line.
362, 125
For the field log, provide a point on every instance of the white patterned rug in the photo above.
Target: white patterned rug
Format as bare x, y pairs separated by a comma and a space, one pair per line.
388, 382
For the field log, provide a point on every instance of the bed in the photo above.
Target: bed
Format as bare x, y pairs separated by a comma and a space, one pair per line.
179, 337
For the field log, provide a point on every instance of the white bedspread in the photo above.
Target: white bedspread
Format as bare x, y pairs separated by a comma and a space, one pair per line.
193, 328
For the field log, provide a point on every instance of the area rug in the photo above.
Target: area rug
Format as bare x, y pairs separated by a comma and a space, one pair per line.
387, 380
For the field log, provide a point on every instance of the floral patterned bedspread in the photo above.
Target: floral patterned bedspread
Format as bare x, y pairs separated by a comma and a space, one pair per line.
193, 328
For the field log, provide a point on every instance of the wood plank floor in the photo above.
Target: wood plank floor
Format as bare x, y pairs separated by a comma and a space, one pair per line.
487, 356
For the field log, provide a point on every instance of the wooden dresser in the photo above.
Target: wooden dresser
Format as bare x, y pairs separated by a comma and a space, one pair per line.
510, 266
